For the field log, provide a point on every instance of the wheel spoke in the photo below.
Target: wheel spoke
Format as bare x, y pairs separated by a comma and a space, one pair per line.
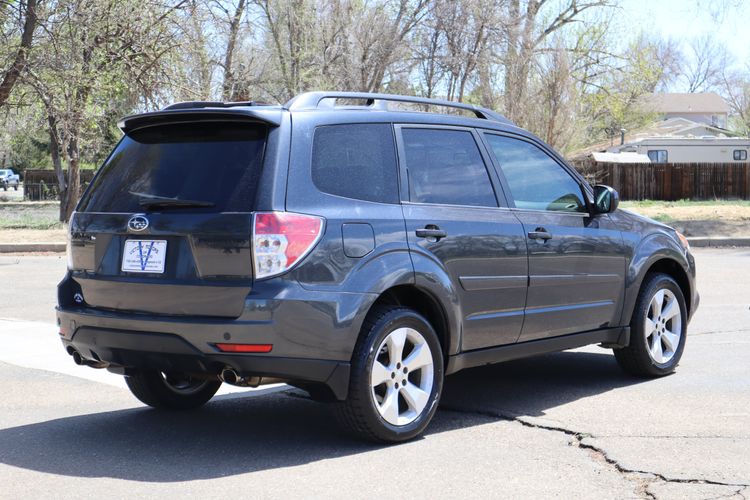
380, 374
671, 310
650, 327
389, 408
656, 350
396, 341
415, 397
656, 303
418, 358
671, 340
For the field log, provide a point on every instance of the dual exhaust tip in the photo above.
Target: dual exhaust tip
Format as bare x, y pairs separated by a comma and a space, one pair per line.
227, 375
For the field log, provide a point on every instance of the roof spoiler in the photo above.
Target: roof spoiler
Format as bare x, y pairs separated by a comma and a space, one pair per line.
182, 113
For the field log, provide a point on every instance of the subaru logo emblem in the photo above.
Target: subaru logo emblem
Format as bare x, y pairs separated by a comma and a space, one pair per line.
137, 223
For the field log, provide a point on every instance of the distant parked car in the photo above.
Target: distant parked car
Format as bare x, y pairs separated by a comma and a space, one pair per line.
9, 179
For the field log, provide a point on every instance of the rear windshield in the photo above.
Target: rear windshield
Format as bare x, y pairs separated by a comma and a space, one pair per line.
216, 164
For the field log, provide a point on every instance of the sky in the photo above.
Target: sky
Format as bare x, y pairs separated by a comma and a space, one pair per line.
727, 20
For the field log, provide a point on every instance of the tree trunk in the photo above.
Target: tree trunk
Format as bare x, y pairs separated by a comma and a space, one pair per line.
69, 198
228, 91
10, 77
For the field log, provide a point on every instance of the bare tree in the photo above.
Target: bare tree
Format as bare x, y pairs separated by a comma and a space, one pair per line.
706, 61
735, 87
91, 48
11, 75
527, 31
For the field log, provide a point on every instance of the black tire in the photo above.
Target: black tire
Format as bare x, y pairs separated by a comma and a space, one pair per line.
359, 413
635, 358
15, 188
172, 391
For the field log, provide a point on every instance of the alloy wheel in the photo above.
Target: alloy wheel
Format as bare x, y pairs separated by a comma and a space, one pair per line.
663, 326
402, 376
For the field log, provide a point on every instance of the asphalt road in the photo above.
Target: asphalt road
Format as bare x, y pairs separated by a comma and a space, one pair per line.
568, 424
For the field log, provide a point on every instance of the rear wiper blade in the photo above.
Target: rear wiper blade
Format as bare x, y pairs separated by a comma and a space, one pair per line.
154, 201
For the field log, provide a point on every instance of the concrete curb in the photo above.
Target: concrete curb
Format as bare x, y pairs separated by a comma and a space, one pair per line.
31, 247
720, 241
699, 242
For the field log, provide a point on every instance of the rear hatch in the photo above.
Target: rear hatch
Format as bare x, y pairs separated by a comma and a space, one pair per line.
165, 227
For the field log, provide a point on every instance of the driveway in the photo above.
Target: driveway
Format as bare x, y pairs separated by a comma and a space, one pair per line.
567, 424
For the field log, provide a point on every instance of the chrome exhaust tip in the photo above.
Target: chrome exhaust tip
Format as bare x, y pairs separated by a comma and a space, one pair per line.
229, 376
81, 361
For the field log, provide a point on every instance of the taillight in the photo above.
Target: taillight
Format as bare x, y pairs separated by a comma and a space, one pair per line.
281, 239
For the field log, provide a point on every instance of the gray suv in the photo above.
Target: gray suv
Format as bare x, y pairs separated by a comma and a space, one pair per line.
360, 247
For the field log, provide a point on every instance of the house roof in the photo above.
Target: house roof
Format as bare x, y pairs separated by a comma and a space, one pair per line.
698, 102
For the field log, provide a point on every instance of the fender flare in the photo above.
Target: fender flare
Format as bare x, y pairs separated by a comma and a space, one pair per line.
650, 250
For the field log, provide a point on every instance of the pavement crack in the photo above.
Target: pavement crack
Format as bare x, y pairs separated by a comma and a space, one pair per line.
716, 332
642, 478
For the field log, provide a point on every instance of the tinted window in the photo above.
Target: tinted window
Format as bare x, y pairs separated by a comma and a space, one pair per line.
445, 167
356, 161
210, 162
536, 181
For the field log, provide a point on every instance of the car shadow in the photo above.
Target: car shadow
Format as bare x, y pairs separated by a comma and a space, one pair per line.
232, 435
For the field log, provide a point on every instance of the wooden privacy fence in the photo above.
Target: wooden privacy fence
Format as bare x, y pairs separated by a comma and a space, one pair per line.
41, 185
671, 181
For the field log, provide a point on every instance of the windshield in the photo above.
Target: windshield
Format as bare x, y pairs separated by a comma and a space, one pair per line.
203, 167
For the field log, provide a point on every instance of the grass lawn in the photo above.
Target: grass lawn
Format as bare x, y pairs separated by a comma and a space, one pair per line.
30, 222
29, 215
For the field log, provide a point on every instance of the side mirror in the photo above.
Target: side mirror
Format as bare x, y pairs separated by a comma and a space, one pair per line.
606, 199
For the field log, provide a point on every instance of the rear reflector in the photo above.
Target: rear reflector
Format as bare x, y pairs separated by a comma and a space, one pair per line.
281, 239
244, 347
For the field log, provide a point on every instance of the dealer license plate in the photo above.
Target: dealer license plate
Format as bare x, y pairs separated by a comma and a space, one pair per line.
144, 256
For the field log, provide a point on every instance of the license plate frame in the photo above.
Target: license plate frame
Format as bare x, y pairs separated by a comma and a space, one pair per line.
144, 256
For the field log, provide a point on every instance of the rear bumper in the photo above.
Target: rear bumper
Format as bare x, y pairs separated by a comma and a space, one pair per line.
129, 350
313, 335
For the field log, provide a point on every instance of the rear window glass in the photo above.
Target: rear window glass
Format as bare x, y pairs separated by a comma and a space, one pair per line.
356, 161
217, 164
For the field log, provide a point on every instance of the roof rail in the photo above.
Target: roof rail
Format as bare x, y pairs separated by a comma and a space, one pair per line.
211, 104
312, 100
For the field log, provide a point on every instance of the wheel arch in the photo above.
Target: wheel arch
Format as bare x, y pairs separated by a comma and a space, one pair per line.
658, 253
673, 269
426, 304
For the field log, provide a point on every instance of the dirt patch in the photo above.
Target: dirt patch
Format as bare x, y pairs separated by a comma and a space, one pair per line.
32, 235
722, 228
695, 212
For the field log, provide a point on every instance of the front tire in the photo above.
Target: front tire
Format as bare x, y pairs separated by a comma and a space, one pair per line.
396, 378
658, 329
171, 391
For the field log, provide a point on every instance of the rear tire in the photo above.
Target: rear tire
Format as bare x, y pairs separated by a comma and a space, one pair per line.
658, 329
172, 391
396, 378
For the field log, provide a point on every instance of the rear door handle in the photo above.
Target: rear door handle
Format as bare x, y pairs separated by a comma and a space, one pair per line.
540, 234
431, 231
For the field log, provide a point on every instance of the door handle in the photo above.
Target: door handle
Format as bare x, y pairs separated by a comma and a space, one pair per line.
431, 231
540, 234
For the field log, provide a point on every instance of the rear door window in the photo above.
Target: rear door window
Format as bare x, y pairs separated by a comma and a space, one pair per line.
356, 161
215, 163
446, 167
